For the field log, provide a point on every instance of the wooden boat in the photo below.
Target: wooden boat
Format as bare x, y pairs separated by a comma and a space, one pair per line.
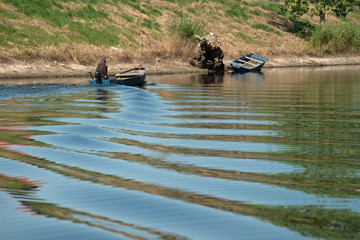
131, 77
248, 63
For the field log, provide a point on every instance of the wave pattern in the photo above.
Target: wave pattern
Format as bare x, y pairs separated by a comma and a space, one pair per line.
194, 157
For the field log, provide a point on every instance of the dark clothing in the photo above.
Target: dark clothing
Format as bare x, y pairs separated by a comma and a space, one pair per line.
101, 70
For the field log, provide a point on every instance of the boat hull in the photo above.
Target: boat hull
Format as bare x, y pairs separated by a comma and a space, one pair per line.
133, 78
248, 63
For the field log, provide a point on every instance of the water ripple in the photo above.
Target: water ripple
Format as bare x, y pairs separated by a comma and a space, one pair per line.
245, 155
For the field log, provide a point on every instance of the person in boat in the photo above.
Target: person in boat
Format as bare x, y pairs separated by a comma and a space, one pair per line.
101, 70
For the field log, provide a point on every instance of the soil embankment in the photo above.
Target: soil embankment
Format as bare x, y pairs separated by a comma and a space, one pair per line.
56, 69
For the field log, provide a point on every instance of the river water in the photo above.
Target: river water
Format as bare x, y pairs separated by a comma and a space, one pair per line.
272, 155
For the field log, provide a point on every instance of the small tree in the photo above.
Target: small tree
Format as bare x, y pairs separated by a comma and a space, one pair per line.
321, 7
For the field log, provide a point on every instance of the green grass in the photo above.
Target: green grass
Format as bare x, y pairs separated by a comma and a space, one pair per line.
27, 36
149, 23
336, 38
266, 28
128, 18
256, 12
8, 15
192, 10
152, 12
88, 13
42, 9
355, 14
248, 39
180, 2
268, 6
10, 35
53, 13
237, 10
85, 33
127, 37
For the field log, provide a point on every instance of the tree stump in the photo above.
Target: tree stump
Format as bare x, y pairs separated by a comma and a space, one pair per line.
209, 53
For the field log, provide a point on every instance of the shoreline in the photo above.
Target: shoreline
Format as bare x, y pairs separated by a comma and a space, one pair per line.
40, 69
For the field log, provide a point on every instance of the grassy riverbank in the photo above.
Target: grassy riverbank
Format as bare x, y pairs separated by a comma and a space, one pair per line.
80, 32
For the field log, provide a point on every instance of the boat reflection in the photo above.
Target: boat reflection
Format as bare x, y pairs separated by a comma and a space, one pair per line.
250, 76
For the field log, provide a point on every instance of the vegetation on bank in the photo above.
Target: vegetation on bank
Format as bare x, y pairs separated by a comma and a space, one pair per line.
83, 31
335, 38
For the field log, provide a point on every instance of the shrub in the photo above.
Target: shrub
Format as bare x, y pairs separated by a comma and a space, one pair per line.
336, 38
187, 28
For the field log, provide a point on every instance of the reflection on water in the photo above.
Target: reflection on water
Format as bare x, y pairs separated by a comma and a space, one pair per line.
272, 155
251, 76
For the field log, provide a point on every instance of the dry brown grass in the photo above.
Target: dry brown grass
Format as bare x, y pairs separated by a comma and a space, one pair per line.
79, 53
170, 48
10, 8
73, 5
5, 57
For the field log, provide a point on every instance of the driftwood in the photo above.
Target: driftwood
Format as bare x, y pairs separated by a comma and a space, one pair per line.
209, 53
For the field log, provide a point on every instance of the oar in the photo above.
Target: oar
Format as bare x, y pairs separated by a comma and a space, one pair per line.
135, 68
91, 76
127, 70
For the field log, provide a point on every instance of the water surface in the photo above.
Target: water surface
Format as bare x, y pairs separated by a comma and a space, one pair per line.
272, 155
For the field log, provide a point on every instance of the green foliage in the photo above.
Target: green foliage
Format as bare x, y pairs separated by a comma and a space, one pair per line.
336, 38
340, 7
266, 28
343, 7
187, 28
298, 7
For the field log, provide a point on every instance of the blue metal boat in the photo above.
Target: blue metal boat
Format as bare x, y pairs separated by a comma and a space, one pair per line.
248, 63
132, 77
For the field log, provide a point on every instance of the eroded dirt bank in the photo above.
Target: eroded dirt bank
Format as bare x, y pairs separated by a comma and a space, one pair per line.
42, 69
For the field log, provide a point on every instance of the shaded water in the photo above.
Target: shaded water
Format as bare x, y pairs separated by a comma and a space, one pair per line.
240, 156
